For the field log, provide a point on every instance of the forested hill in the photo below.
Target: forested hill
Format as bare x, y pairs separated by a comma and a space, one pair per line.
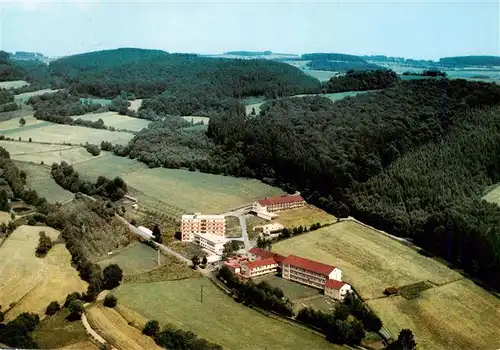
9, 71
179, 83
464, 61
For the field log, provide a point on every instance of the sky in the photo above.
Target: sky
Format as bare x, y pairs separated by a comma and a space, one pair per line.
424, 29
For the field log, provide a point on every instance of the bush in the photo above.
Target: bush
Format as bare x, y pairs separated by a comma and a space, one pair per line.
112, 275
152, 328
110, 300
76, 309
71, 297
44, 244
52, 308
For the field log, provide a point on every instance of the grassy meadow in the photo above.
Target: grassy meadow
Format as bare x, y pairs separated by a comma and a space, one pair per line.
440, 317
24, 97
108, 165
134, 259
321, 75
13, 84
493, 195
116, 120
40, 180
305, 216
218, 318
29, 283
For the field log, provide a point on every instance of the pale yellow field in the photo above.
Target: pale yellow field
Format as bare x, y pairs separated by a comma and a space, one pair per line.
458, 315
31, 282
24, 97
35, 153
256, 106
110, 325
58, 133
83, 345
305, 216
134, 105
493, 196
4, 217
14, 84
369, 260
13, 124
197, 119
116, 120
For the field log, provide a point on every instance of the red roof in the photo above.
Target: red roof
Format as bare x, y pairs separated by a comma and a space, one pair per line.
264, 254
258, 263
309, 265
334, 284
281, 200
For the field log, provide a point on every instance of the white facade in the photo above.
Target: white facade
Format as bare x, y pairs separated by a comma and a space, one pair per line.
257, 207
202, 224
146, 231
213, 243
270, 228
336, 274
265, 215
338, 292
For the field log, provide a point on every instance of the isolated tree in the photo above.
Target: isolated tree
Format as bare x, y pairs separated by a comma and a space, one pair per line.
110, 300
253, 112
112, 275
406, 340
29, 140
195, 260
1, 314
44, 245
70, 297
22, 121
152, 328
52, 308
229, 248
157, 234
204, 261
4, 203
76, 308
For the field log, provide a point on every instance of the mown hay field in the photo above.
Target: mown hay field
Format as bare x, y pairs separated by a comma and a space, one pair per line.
39, 179
13, 125
46, 153
199, 192
108, 165
458, 315
14, 84
110, 325
59, 133
135, 104
305, 216
442, 317
31, 283
218, 318
24, 97
116, 120
134, 259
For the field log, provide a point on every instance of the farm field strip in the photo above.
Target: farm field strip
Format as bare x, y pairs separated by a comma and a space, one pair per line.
12, 125
33, 282
108, 323
40, 180
116, 120
13, 84
178, 302
24, 97
444, 316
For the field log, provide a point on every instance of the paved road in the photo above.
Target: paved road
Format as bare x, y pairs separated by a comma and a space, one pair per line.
240, 214
162, 247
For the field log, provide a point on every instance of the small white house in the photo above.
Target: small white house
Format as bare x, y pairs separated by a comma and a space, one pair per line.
337, 289
146, 231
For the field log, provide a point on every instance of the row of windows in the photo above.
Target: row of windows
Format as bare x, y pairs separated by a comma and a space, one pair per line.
301, 270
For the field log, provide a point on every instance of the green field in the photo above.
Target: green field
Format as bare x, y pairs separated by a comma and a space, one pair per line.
101, 101
56, 331
116, 120
198, 192
218, 318
321, 75
292, 290
134, 259
40, 180
109, 166
371, 262
13, 84
24, 97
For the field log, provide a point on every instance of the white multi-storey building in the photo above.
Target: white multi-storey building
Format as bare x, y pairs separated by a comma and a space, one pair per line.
213, 243
309, 272
204, 224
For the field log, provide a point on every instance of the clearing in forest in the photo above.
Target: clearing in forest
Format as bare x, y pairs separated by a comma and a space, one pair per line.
110, 325
59, 133
14, 84
305, 216
493, 196
199, 192
217, 318
39, 179
135, 104
451, 314
117, 121
24, 97
29, 283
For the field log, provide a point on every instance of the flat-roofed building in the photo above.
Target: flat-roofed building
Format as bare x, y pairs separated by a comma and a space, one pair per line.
308, 272
337, 289
213, 243
204, 224
261, 267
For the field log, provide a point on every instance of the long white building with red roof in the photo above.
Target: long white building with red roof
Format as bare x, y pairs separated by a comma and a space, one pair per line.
274, 204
